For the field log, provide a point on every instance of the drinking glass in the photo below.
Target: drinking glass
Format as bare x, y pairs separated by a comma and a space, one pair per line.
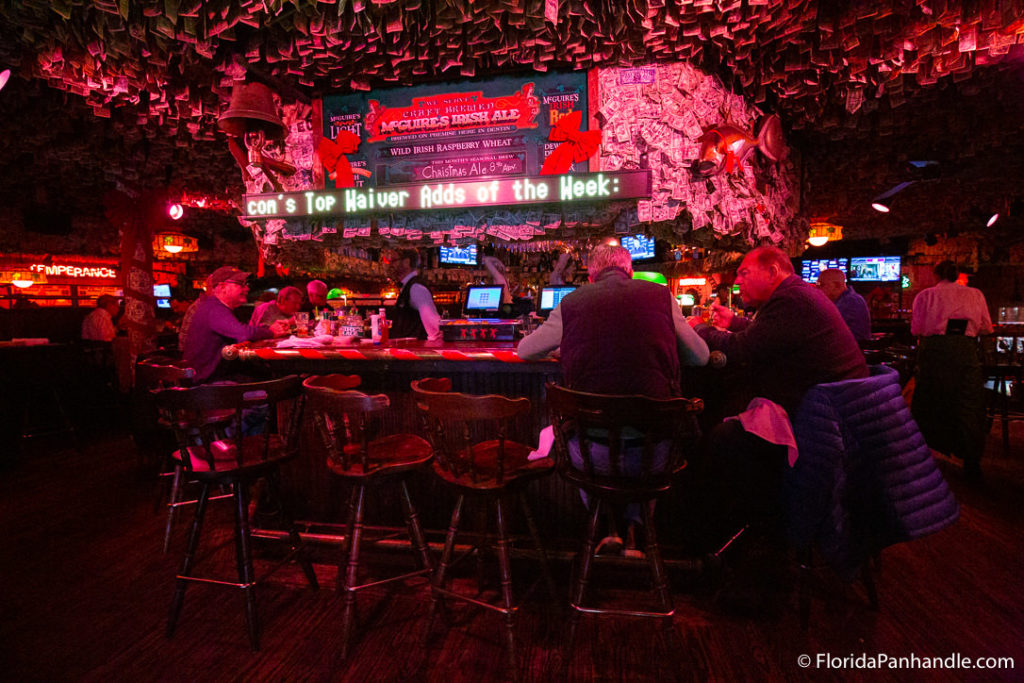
302, 323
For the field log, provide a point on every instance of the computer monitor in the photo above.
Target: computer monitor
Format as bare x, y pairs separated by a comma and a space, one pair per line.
482, 299
163, 295
550, 297
459, 256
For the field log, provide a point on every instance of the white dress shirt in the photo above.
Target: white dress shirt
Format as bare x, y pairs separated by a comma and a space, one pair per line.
421, 299
933, 308
99, 326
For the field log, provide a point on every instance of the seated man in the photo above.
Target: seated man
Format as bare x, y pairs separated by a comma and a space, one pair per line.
618, 336
851, 305
316, 296
99, 325
287, 304
213, 326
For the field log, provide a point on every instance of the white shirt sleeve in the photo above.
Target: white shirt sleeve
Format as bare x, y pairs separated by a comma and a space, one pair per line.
423, 302
692, 349
544, 339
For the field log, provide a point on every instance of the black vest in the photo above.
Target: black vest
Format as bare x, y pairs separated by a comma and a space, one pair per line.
618, 338
405, 320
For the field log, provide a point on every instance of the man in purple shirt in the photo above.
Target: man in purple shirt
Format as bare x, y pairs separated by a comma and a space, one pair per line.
213, 325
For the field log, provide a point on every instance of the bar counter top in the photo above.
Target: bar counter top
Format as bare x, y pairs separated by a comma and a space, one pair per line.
397, 350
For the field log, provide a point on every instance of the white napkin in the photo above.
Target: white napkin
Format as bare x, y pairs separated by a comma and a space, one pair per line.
294, 342
769, 421
547, 440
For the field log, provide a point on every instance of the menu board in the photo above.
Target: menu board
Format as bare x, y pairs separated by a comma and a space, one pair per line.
461, 130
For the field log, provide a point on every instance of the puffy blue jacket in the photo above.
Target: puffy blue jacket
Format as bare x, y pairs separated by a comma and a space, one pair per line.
865, 479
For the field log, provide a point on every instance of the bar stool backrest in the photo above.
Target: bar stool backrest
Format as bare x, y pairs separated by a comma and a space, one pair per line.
343, 417
609, 421
250, 404
456, 422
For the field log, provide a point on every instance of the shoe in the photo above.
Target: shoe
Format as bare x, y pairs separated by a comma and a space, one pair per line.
631, 551
609, 545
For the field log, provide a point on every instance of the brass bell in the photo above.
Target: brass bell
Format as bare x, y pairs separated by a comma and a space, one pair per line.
252, 108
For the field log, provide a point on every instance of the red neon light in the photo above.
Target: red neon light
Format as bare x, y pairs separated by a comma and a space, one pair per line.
74, 271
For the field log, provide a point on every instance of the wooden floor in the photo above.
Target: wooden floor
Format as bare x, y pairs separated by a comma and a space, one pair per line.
84, 590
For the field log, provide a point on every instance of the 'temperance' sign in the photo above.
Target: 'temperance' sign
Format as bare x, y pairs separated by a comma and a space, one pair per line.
451, 195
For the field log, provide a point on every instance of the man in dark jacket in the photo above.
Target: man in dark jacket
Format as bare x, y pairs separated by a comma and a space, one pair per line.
414, 313
796, 340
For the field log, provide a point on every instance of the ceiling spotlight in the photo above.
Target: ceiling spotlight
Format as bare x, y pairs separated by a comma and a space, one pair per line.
4, 75
992, 220
883, 203
880, 205
175, 211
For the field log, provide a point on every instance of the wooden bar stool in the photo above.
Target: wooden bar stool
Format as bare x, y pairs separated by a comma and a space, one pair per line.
621, 450
494, 470
151, 376
250, 453
341, 419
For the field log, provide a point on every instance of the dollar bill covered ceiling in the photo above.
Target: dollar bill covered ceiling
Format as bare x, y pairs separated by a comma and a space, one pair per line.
871, 94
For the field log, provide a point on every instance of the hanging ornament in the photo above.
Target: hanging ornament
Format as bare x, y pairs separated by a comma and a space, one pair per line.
332, 156
576, 145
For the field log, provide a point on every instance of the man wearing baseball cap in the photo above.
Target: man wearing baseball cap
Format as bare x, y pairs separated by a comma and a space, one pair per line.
214, 326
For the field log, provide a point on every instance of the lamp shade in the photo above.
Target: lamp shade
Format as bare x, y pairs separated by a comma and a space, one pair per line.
658, 278
22, 278
822, 232
174, 243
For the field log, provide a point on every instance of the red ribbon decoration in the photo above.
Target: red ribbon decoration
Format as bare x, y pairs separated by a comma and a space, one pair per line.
576, 145
332, 156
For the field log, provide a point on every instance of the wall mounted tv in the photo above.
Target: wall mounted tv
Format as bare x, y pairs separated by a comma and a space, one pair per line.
874, 269
640, 247
163, 295
459, 256
810, 268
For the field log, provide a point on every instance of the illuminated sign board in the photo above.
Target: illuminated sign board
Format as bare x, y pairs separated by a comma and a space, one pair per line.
692, 281
74, 271
451, 195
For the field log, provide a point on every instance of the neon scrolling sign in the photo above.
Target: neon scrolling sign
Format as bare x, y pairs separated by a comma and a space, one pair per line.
516, 191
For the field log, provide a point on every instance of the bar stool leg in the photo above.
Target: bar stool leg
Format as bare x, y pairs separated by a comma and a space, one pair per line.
659, 574
297, 545
545, 566
181, 583
579, 587
437, 602
419, 541
172, 505
246, 574
352, 571
505, 564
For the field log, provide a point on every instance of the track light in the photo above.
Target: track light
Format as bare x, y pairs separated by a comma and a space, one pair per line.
883, 202
4, 75
992, 220
880, 205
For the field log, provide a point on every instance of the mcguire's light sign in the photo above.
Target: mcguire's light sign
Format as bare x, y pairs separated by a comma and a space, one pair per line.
451, 195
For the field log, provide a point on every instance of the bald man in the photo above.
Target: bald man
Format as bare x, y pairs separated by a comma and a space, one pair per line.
851, 305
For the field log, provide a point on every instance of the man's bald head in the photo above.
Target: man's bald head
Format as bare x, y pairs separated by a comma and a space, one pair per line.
832, 282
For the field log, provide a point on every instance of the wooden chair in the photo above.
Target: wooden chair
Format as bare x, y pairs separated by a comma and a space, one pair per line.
153, 375
237, 461
604, 434
363, 459
494, 470
1003, 363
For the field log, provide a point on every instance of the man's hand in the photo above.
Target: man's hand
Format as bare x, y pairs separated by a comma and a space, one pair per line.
280, 328
721, 316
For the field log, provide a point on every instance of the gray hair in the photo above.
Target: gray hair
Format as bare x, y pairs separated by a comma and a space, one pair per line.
608, 256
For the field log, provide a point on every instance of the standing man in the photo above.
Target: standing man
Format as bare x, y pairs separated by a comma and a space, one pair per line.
949, 403
99, 325
213, 325
414, 313
851, 305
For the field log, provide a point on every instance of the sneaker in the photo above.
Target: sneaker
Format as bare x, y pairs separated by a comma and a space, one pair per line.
609, 545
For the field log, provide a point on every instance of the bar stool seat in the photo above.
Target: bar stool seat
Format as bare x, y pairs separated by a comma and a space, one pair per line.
343, 419
486, 455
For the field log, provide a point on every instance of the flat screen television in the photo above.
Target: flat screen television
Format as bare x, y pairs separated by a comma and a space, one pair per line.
482, 299
459, 256
875, 269
640, 247
810, 268
550, 297
163, 295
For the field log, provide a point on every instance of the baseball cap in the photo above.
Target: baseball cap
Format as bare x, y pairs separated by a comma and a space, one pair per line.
226, 274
